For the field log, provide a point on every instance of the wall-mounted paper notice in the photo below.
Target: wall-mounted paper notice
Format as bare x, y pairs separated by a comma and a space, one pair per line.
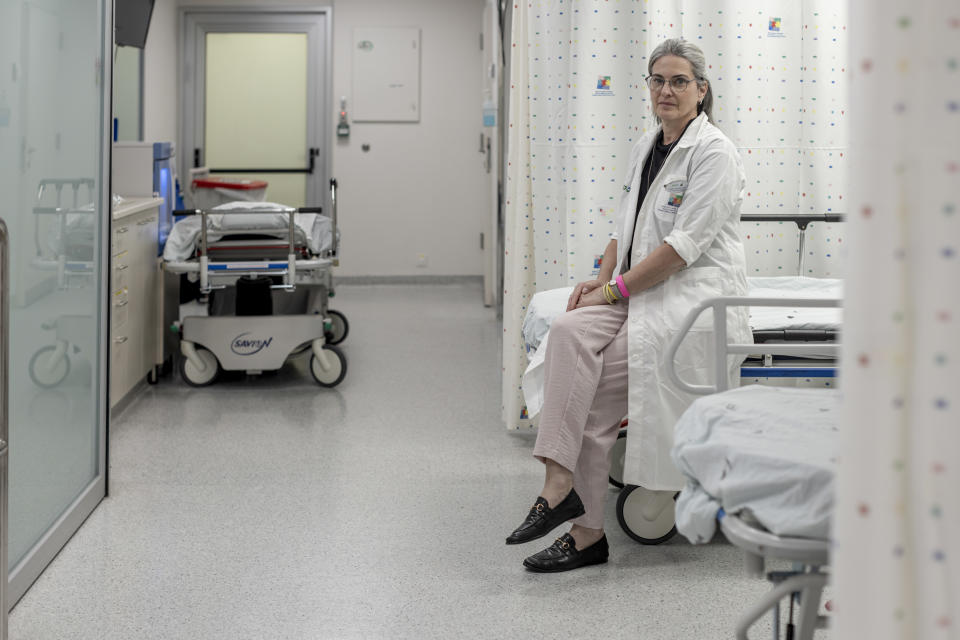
386, 74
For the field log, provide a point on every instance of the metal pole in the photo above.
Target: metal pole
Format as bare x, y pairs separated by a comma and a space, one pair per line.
720, 345
333, 205
803, 234
204, 259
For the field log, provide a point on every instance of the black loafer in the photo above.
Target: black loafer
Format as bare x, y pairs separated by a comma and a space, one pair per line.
542, 519
564, 556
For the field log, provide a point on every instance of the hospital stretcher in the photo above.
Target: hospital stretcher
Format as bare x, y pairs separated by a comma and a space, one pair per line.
296, 249
761, 461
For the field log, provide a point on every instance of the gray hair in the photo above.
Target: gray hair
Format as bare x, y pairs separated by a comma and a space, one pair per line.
692, 54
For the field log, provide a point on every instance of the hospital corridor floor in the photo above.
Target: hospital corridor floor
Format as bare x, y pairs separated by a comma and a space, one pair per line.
270, 508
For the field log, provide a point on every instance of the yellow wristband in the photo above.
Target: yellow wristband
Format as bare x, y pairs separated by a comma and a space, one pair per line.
608, 294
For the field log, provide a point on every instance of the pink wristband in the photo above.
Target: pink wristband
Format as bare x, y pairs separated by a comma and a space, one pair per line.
622, 287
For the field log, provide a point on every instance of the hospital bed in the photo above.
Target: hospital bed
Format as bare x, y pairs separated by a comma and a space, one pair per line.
761, 461
647, 516
236, 247
66, 247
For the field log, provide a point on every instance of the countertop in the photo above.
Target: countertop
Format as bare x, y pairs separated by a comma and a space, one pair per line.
130, 206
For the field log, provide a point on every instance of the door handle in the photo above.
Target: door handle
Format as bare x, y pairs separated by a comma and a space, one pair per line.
312, 154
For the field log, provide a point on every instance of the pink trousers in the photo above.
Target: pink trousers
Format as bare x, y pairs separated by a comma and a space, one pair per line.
585, 399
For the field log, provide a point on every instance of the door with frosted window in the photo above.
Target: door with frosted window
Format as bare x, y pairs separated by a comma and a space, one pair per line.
255, 99
54, 156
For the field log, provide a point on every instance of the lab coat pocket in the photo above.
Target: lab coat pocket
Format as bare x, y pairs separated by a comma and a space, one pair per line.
685, 290
670, 197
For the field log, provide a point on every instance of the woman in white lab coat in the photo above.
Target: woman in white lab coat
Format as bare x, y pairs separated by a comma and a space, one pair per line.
678, 243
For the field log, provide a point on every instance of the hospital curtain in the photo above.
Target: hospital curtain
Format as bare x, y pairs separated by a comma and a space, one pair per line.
897, 522
578, 102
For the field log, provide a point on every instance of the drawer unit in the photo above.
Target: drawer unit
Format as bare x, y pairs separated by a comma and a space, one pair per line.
134, 288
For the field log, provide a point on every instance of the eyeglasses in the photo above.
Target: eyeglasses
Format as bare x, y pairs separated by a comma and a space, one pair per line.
679, 84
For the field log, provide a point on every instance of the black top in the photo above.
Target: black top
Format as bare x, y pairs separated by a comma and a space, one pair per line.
651, 167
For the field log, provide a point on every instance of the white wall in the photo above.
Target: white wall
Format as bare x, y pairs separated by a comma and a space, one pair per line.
160, 89
421, 189
126, 92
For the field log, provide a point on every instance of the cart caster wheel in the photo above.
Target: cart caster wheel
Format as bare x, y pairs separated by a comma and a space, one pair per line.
647, 516
335, 375
48, 374
617, 456
340, 328
196, 377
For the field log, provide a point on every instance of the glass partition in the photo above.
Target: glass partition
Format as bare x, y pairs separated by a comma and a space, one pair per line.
54, 146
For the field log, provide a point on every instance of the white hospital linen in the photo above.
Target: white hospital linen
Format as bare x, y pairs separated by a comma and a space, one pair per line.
531, 382
313, 229
543, 308
794, 287
769, 450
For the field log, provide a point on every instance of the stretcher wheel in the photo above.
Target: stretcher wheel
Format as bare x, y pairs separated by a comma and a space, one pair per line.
46, 373
335, 375
195, 377
617, 455
647, 516
340, 327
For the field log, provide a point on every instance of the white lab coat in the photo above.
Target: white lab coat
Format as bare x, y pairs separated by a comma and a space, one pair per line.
694, 205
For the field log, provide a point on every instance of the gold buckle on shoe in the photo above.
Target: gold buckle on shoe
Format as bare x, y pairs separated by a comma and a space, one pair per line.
563, 545
538, 507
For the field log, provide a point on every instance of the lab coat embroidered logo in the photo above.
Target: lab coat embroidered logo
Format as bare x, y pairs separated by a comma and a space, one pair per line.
244, 346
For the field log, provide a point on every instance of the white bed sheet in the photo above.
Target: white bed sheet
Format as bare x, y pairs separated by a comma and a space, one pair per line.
794, 287
316, 230
770, 451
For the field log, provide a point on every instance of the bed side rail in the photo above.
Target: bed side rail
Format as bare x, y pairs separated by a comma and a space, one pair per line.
722, 349
290, 272
334, 252
808, 582
800, 219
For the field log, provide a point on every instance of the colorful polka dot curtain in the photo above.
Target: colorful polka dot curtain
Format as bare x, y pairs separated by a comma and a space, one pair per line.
578, 102
897, 523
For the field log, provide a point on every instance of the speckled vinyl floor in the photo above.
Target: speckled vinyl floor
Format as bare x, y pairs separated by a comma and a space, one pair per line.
270, 508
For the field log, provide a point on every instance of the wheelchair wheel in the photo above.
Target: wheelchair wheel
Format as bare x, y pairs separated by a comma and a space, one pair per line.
196, 377
335, 374
46, 373
617, 456
647, 516
339, 329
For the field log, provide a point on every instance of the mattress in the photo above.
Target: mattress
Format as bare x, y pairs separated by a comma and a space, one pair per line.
768, 318
311, 229
767, 453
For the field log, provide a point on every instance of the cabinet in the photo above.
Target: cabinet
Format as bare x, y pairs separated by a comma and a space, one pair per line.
134, 294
